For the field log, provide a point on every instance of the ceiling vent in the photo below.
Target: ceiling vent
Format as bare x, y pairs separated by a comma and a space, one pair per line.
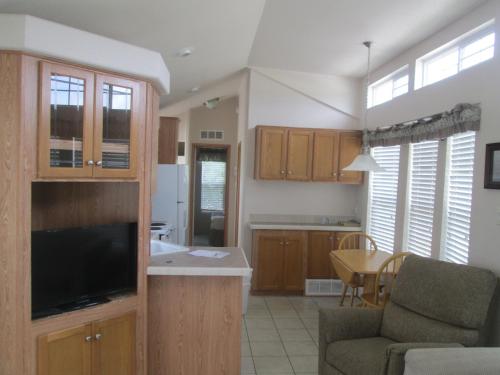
212, 134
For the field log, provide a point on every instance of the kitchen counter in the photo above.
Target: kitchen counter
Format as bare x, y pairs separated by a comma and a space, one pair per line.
183, 264
306, 226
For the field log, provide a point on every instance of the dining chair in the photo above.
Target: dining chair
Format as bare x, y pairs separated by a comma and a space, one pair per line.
384, 281
354, 241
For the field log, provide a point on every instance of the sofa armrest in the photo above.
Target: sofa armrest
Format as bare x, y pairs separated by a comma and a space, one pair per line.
395, 354
346, 324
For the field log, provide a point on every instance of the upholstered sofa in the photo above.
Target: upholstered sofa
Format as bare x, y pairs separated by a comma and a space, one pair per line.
433, 304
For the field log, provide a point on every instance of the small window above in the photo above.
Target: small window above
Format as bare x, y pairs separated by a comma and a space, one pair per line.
470, 49
389, 87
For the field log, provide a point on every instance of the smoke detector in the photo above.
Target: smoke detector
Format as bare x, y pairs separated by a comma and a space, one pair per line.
212, 103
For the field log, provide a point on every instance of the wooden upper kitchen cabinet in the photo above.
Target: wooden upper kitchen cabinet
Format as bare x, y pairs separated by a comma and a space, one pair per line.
299, 155
279, 260
326, 155
319, 266
306, 154
350, 143
167, 140
270, 153
89, 123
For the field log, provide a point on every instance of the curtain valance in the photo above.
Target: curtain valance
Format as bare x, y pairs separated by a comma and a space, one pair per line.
463, 117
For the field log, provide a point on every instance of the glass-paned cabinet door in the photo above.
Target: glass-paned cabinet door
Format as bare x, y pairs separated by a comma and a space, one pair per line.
66, 121
117, 118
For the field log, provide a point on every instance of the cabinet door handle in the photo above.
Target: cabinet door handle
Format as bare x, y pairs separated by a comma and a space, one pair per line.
88, 338
98, 336
90, 162
99, 163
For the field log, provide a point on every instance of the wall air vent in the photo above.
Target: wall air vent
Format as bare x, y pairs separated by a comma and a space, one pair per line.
323, 287
212, 134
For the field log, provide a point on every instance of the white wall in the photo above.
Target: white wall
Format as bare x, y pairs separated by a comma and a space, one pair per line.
273, 103
479, 84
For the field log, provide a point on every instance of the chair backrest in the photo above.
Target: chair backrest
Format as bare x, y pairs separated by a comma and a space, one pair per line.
357, 240
437, 301
386, 277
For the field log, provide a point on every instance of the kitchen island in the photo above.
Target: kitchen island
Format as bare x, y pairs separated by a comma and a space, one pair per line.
194, 313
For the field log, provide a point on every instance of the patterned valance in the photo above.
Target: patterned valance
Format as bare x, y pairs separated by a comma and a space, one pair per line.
462, 118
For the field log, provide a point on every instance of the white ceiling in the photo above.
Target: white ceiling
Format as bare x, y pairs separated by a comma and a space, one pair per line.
320, 36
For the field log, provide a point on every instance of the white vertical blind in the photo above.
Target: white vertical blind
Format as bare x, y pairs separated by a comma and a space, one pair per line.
423, 169
459, 197
383, 197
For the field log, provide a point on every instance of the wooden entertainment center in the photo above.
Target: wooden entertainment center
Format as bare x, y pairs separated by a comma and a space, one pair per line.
101, 174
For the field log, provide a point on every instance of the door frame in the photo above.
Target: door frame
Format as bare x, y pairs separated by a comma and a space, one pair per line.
238, 187
192, 174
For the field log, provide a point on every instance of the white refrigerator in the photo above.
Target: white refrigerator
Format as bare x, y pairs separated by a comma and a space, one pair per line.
169, 202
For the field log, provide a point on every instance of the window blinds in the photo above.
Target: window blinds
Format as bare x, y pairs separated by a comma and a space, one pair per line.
459, 196
423, 170
213, 181
383, 197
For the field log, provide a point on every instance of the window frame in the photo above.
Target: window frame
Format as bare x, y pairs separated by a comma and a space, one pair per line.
459, 44
392, 77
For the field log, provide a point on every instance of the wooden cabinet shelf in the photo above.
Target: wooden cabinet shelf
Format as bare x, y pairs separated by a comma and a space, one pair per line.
279, 260
89, 123
103, 347
306, 154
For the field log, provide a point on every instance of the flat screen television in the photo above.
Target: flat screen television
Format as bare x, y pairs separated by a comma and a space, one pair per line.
79, 267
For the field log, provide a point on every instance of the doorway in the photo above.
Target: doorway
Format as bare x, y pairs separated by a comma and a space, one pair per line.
209, 195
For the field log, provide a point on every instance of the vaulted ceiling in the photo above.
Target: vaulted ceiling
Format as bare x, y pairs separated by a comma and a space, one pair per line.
319, 36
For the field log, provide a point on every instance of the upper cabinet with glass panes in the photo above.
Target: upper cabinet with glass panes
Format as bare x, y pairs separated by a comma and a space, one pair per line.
89, 123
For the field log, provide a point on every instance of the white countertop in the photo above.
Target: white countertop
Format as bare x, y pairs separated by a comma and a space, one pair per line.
308, 226
183, 264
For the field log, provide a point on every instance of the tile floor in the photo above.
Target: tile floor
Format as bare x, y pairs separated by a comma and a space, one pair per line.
280, 335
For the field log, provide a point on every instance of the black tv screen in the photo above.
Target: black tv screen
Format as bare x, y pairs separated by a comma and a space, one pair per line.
76, 267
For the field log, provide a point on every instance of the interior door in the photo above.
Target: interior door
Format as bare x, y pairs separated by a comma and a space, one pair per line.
299, 155
325, 156
114, 346
271, 143
119, 113
320, 244
294, 260
66, 352
350, 147
268, 260
66, 121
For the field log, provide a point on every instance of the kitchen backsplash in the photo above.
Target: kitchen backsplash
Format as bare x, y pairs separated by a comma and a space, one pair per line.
300, 219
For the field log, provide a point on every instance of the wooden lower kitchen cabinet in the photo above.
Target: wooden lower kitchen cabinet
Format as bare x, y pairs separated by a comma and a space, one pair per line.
279, 261
319, 266
105, 347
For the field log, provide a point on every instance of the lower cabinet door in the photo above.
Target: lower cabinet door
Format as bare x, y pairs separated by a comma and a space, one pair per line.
294, 260
114, 346
66, 352
268, 260
320, 245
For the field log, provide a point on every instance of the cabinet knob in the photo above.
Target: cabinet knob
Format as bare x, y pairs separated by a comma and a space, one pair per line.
90, 162
334, 174
99, 163
98, 336
88, 338
287, 243
281, 243
290, 172
342, 174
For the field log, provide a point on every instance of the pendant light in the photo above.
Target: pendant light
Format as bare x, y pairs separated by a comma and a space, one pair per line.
364, 162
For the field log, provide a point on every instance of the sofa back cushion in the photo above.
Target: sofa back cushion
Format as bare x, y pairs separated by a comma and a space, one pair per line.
402, 325
443, 291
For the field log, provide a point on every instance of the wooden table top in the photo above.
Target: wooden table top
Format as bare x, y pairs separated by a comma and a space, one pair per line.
361, 261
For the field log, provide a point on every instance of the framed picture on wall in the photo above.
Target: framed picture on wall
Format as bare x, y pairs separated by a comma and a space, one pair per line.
492, 166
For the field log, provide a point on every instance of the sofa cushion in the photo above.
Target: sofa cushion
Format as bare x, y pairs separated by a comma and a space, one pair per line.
451, 293
358, 357
403, 325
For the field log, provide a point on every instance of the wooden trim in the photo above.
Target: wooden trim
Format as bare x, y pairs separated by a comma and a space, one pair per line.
138, 104
238, 186
44, 168
194, 149
168, 136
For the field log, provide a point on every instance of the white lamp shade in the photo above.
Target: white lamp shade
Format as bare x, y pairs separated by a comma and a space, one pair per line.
364, 163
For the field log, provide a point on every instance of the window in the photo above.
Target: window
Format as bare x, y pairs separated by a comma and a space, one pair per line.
395, 84
468, 50
422, 189
458, 197
383, 197
213, 182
